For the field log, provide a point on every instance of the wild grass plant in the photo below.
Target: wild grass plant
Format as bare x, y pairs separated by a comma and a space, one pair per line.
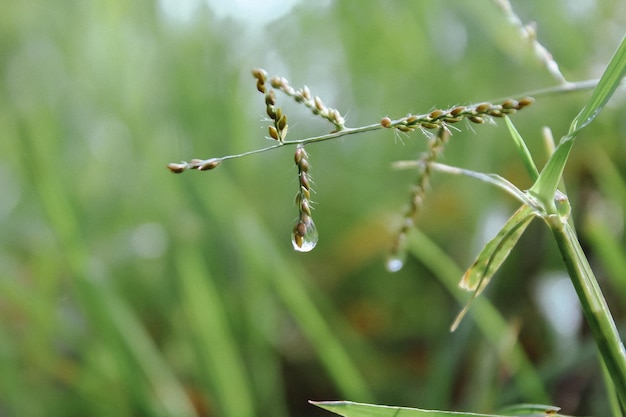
130, 291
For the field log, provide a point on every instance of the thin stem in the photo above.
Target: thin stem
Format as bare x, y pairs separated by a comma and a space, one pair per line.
593, 304
207, 164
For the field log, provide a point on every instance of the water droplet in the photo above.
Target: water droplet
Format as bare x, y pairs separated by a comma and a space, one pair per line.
395, 262
304, 236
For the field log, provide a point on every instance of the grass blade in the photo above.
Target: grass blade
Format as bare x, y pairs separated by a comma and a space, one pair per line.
212, 335
495, 252
486, 317
527, 158
611, 79
547, 183
352, 409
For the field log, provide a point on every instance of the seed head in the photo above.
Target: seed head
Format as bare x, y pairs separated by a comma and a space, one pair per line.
273, 132
436, 114
270, 98
259, 74
526, 101
176, 168
429, 125
411, 119
306, 93
319, 105
385, 122
510, 104
483, 107
282, 121
209, 164
457, 110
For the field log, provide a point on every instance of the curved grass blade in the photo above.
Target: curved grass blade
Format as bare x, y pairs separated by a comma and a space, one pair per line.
493, 179
352, 409
492, 256
547, 183
610, 80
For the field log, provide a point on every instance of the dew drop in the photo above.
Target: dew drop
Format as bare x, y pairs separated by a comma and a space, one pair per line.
304, 236
394, 263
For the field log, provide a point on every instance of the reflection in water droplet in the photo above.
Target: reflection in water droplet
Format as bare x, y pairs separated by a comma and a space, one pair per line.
304, 236
395, 262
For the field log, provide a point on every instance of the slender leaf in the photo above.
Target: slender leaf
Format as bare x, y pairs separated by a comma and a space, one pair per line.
352, 409
493, 179
495, 252
611, 79
213, 337
547, 183
527, 158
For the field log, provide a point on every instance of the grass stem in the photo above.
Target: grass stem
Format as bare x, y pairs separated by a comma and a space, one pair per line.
593, 304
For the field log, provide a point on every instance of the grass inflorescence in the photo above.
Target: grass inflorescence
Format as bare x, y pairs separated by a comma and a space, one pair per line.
304, 235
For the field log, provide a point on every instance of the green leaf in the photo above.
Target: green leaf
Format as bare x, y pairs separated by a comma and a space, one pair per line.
527, 158
529, 409
611, 79
547, 183
496, 251
352, 409
492, 256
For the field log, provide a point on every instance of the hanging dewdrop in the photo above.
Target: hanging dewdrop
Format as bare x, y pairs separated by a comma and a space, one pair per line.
304, 235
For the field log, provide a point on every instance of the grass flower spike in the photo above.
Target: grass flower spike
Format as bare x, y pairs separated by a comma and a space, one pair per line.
304, 236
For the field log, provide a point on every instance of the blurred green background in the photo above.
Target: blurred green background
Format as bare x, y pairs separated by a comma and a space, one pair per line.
128, 291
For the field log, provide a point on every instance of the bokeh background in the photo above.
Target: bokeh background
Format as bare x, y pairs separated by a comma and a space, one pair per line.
126, 290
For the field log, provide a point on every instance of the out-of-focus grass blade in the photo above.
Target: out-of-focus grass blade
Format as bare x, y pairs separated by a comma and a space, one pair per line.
487, 319
280, 271
547, 183
156, 388
351, 409
212, 336
492, 256
597, 226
